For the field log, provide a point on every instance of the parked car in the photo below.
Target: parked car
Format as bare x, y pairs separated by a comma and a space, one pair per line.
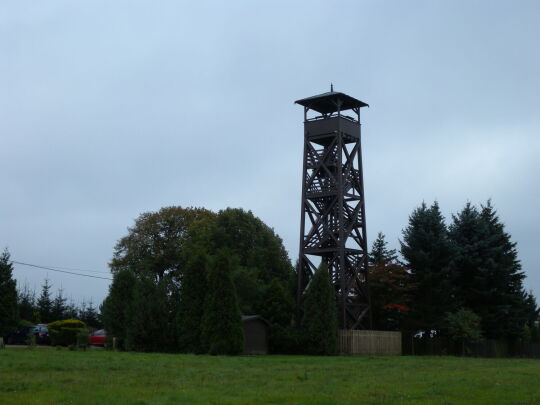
98, 337
23, 335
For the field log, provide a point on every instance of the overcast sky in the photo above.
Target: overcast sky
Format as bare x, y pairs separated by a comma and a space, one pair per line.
110, 109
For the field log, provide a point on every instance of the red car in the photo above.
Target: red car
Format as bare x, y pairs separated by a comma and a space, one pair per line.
97, 338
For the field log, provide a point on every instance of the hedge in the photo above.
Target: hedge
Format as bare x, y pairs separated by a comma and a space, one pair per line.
64, 333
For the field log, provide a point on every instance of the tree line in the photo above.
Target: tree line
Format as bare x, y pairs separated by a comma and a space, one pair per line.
451, 274
183, 278
23, 306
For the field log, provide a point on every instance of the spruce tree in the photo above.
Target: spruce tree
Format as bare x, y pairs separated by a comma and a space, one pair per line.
277, 309
71, 311
488, 273
89, 315
427, 252
506, 281
9, 314
530, 309
27, 303
380, 253
319, 323
191, 306
222, 331
59, 306
44, 303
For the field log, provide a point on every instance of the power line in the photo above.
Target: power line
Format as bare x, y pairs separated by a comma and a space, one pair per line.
60, 271
75, 269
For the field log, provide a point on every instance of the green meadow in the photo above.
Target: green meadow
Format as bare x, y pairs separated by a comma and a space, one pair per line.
49, 376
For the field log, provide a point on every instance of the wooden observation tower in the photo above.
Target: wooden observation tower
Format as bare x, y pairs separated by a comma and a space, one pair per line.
333, 217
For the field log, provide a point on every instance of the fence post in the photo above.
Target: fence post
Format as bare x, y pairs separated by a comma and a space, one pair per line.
114, 343
2, 345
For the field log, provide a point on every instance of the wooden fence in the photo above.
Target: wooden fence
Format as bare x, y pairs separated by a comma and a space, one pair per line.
369, 342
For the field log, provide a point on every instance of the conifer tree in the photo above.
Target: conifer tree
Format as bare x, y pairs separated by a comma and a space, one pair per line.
9, 314
427, 252
191, 306
277, 309
27, 303
148, 319
59, 306
319, 323
71, 311
116, 307
507, 276
488, 273
44, 303
531, 310
379, 251
89, 314
221, 331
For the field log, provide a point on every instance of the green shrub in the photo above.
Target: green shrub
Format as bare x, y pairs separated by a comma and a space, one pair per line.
65, 333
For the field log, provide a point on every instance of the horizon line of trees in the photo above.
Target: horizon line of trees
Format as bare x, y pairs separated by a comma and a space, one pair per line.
183, 278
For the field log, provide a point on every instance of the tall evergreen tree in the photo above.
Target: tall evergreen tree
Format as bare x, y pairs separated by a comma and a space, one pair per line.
9, 311
277, 309
221, 331
319, 323
44, 303
116, 307
427, 252
59, 306
511, 295
193, 290
487, 270
148, 320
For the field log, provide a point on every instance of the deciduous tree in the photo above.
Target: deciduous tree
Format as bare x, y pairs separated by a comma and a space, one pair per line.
464, 327
155, 243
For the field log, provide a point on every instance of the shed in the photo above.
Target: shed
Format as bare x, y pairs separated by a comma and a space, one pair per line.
256, 331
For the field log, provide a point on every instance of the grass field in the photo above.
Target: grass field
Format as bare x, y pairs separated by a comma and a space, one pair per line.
48, 376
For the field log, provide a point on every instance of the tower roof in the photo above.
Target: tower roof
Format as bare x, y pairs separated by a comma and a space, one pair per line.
326, 103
